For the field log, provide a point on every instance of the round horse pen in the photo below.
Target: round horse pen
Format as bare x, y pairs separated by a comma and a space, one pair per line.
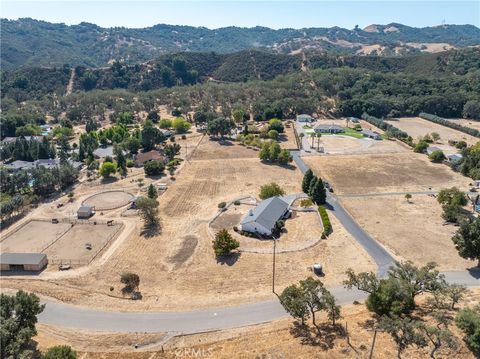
103, 201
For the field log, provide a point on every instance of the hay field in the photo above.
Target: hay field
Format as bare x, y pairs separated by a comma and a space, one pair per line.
418, 127
379, 173
412, 231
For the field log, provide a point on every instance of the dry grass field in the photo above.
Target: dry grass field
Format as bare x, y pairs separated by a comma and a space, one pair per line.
271, 340
178, 269
378, 173
412, 231
418, 127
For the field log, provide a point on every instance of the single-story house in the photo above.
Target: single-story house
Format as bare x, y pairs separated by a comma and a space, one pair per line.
167, 133
304, 118
28, 138
432, 149
328, 129
264, 217
153, 155
103, 152
371, 134
34, 262
85, 212
47, 163
454, 158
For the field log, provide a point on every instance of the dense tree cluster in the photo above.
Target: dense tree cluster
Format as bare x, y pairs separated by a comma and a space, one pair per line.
436, 119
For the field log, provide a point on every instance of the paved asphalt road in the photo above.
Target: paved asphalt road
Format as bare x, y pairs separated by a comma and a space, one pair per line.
65, 315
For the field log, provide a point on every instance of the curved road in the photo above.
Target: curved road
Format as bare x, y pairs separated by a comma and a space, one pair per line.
65, 315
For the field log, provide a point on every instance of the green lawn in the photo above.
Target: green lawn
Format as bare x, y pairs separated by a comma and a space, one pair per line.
348, 132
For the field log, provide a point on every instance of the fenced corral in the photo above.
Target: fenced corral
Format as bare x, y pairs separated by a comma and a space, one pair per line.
65, 241
108, 200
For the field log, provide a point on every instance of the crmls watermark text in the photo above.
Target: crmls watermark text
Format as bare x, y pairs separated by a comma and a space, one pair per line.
193, 353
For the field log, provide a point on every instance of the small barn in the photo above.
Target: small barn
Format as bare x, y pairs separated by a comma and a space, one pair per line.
85, 212
264, 217
32, 262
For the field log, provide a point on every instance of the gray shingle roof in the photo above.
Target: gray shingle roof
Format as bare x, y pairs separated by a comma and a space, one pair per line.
102, 152
22, 258
267, 213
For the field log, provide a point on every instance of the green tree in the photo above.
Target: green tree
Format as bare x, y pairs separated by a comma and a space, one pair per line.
220, 127
152, 191
224, 243
180, 125
121, 162
60, 352
148, 210
408, 197
284, 157
270, 190
452, 196
467, 240
468, 320
307, 178
165, 123
151, 136
276, 124
153, 168
274, 151
471, 109
312, 289
131, 282
107, 169
264, 153
294, 303
317, 192
405, 332
18, 316
273, 134
435, 136
421, 146
171, 150
437, 156
330, 305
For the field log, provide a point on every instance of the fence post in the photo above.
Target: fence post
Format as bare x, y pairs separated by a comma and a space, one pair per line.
373, 344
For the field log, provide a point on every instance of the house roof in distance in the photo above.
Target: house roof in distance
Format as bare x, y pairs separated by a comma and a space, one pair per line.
143, 157
267, 213
22, 258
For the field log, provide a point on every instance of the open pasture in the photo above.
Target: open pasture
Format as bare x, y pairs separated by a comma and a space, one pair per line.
380, 173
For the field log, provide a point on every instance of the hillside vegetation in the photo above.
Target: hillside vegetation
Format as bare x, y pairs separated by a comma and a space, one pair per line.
27, 42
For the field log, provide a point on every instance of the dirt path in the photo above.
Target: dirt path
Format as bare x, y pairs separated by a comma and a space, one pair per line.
255, 68
70, 83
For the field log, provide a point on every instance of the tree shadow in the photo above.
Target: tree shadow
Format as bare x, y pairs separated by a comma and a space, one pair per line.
322, 336
229, 259
108, 180
151, 230
474, 272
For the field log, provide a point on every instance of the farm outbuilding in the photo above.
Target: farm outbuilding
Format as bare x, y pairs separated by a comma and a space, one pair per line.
371, 134
264, 217
33, 262
304, 118
85, 212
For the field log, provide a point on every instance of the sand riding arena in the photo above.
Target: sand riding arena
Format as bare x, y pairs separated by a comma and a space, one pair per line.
107, 200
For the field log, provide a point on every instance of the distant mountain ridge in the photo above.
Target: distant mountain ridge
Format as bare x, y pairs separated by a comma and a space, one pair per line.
28, 42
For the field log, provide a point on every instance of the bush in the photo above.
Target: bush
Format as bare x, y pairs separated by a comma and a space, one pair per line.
421, 146
222, 205
468, 320
307, 202
108, 168
153, 168
276, 124
271, 190
180, 125
165, 123
437, 156
273, 134
184, 137
130, 163
236, 203
60, 352
327, 226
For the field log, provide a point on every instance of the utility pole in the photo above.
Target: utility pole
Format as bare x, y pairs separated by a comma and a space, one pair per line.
273, 269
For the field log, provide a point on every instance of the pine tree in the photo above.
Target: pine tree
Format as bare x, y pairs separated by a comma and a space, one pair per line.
307, 178
152, 191
317, 192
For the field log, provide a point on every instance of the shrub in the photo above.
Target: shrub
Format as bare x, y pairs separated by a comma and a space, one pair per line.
180, 125
222, 205
421, 146
165, 123
273, 134
307, 202
271, 190
236, 203
172, 138
327, 226
437, 156
276, 124
130, 163
184, 137
60, 352
153, 168
108, 168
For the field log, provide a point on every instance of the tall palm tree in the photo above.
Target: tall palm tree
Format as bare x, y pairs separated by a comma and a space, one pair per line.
318, 140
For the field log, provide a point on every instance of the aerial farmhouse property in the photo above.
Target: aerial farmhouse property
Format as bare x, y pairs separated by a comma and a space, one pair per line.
264, 217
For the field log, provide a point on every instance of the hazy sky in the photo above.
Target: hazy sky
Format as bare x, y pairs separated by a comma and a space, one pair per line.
274, 14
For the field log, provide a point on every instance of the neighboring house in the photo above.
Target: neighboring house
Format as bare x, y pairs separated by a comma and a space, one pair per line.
329, 129
432, 149
455, 158
47, 163
34, 262
304, 118
28, 138
153, 155
103, 152
85, 212
371, 134
264, 217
